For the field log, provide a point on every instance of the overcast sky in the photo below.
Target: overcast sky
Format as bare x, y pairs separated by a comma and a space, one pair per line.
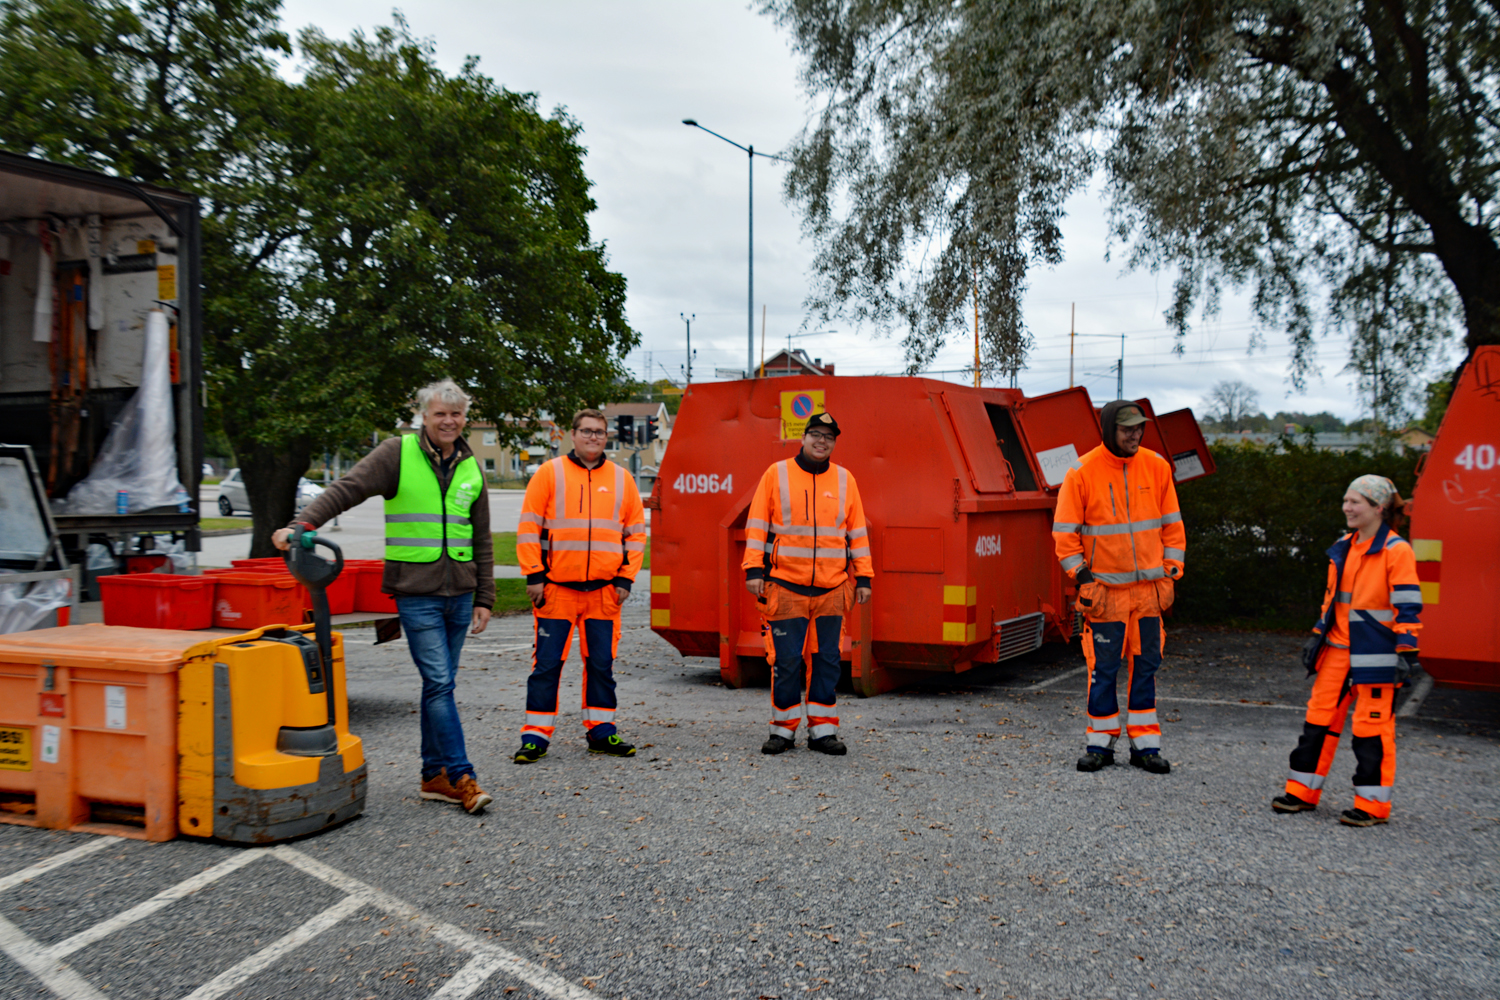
673, 203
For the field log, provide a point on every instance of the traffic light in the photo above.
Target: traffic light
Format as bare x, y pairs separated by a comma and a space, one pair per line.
650, 429
625, 429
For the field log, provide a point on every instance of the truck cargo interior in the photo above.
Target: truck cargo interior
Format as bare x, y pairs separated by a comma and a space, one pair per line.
92, 267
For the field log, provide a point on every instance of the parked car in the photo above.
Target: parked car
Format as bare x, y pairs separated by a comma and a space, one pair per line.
232, 496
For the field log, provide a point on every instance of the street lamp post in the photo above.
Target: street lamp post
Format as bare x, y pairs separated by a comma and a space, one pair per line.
689, 321
750, 155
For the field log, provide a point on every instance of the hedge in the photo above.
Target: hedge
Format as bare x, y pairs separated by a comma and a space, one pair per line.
1258, 529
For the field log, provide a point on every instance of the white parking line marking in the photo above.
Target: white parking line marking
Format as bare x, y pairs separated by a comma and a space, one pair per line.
546, 982
55, 975
1053, 680
56, 861
466, 981
288, 943
119, 921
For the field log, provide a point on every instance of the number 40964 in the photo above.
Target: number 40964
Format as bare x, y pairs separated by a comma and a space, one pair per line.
1480, 456
697, 482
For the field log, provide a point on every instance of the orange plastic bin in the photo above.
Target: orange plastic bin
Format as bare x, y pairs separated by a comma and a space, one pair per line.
253, 600
93, 710
157, 600
367, 575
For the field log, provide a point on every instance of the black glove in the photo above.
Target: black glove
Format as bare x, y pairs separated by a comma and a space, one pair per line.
1407, 667
1310, 650
1084, 576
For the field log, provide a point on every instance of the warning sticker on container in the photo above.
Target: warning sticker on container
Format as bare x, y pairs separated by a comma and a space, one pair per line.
166, 282
1187, 465
1056, 462
51, 741
796, 408
114, 707
15, 748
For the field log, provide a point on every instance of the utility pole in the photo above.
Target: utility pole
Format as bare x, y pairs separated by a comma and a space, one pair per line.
1072, 339
1120, 381
689, 321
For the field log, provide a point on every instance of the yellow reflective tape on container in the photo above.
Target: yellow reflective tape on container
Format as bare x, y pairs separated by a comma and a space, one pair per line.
956, 595
955, 632
661, 584
1427, 549
15, 748
1429, 593
661, 618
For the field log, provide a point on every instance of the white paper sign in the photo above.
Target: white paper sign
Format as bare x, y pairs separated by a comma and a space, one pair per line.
1187, 466
114, 707
51, 738
1056, 462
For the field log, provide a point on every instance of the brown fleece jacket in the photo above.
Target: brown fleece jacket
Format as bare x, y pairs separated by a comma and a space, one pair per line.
379, 473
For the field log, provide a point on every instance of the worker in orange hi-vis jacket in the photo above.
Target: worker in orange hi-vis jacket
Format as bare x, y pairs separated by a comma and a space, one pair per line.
1363, 649
804, 531
581, 541
1119, 533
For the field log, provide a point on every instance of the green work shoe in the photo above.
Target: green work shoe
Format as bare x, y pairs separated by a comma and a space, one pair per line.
612, 746
530, 753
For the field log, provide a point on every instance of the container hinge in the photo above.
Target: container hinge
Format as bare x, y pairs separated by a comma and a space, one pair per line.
49, 683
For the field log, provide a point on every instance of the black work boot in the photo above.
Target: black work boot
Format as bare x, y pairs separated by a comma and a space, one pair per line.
1092, 761
831, 745
1289, 803
1151, 763
775, 745
1358, 817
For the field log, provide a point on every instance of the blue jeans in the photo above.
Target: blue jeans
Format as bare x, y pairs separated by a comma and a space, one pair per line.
435, 628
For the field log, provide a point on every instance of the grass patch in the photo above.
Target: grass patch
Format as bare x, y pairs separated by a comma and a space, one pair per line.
510, 597
505, 550
222, 523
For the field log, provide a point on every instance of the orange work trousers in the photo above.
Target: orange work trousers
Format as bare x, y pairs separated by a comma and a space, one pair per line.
1123, 631
596, 615
785, 619
1373, 739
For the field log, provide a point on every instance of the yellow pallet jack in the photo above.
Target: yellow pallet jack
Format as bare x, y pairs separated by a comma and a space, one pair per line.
265, 752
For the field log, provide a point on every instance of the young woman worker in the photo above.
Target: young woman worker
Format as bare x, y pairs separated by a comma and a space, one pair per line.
1364, 644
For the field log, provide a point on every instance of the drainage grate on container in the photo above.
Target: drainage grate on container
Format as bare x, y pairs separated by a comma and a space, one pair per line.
1019, 635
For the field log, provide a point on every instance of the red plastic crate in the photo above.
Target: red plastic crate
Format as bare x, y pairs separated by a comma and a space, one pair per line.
157, 600
252, 600
145, 564
272, 562
341, 592
368, 574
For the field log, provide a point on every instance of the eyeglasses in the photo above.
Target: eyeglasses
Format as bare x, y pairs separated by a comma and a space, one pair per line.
825, 438
590, 432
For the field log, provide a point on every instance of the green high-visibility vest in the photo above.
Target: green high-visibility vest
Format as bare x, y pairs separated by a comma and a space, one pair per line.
421, 521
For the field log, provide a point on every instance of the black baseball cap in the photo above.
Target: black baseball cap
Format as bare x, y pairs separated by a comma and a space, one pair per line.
824, 420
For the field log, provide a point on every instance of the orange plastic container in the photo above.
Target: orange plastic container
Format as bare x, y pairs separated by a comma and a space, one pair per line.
157, 600
367, 575
254, 600
93, 711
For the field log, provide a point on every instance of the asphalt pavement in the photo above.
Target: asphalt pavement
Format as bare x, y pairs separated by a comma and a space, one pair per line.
954, 850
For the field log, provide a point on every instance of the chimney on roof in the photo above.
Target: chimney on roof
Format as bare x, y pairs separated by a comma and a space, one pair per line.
818, 362
828, 370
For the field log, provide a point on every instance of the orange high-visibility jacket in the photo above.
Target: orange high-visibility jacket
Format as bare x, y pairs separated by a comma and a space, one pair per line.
579, 525
810, 526
1119, 517
1373, 604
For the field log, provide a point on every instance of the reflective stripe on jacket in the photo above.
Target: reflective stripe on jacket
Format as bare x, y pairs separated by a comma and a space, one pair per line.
580, 524
806, 528
424, 520
1373, 604
1119, 517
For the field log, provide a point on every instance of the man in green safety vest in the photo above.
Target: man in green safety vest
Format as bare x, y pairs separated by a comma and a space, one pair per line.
439, 566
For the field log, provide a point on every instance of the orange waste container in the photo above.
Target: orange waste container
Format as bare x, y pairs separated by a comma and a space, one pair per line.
88, 714
1455, 533
959, 485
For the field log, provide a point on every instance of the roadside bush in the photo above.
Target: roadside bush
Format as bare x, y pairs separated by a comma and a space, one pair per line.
1259, 529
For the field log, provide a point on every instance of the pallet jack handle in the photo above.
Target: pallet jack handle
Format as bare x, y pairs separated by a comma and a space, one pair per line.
316, 573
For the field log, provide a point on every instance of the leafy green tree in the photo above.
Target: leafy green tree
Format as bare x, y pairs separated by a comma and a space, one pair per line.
441, 229
367, 230
1340, 157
